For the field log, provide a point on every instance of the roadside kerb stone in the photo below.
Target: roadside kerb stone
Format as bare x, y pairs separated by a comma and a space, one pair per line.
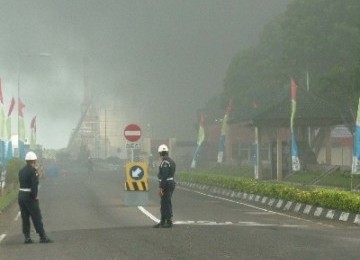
307, 209
318, 211
295, 207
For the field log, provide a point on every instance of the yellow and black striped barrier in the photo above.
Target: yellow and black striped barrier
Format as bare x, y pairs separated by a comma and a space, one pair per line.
136, 176
136, 186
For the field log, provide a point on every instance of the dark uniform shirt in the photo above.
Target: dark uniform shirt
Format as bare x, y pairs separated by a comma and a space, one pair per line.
28, 179
166, 172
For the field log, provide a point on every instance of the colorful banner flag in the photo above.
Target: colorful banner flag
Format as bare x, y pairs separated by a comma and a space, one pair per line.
2, 114
33, 133
9, 154
356, 148
21, 128
8, 120
224, 130
294, 150
200, 140
2, 130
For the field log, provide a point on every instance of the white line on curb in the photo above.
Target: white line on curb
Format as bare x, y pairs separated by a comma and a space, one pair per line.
2, 237
17, 216
251, 206
147, 213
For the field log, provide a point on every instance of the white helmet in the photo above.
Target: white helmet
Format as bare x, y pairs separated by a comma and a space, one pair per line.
163, 148
30, 156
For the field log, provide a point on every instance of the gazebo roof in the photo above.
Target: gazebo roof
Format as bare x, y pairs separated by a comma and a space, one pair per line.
310, 111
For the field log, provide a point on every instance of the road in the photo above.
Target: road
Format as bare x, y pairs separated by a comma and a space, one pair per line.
96, 219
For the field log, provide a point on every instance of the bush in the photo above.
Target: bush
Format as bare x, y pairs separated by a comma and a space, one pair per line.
328, 198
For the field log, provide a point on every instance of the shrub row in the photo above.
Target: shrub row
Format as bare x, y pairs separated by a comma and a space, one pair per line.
322, 197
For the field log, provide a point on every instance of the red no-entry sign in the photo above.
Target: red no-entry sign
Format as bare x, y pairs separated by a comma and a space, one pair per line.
132, 132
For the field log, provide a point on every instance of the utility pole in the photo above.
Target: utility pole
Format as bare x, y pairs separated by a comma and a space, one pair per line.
105, 139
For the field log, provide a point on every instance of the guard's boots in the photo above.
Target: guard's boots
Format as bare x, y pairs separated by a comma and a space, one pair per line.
160, 224
28, 240
168, 223
45, 239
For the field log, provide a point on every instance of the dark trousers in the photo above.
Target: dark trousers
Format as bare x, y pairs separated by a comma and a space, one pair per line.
165, 203
29, 208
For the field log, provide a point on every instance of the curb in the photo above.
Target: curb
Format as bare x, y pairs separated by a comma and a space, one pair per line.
279, 204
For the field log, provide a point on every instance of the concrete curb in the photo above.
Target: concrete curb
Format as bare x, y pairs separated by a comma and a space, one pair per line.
278, 204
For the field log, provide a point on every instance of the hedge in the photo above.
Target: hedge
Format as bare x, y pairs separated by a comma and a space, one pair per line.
322, 197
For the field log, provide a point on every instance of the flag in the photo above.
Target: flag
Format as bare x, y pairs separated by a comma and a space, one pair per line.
224, 130
21, 133
356, 149
1, 94
8, 120
294, 150
2, 130
20, 108
9, 154
21, 128
33, 132
2, 115
200, 140
12, 105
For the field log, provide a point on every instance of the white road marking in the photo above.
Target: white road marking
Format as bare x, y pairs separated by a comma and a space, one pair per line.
248, 205
191, 222
17, 216
256, 224
147, 213
227, 223
214, 223
2, 236
203, 223
257, 213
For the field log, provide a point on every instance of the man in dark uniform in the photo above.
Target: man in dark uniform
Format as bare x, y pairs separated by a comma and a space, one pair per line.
29, 201
166, 187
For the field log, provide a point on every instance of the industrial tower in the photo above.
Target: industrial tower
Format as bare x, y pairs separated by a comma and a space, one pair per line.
85, 139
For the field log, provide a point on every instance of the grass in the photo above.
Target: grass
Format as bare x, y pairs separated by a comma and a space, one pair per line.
338, 179
7, 198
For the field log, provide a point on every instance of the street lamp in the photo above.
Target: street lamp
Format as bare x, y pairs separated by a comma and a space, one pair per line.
43, 54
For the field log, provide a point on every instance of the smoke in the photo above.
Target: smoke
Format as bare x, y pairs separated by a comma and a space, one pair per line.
158, 60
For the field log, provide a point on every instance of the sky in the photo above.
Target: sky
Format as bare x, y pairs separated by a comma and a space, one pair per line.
161, 60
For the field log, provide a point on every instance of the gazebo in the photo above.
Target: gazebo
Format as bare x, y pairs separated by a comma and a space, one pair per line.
314, 119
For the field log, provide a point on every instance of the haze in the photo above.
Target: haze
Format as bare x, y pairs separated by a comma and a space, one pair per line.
161, 60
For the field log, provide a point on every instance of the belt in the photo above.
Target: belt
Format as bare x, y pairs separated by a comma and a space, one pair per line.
25, 189
169, 179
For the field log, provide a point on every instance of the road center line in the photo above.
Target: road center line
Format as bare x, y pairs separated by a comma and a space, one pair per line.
147, 213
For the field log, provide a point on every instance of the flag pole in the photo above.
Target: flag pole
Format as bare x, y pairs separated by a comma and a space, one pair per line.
18, 98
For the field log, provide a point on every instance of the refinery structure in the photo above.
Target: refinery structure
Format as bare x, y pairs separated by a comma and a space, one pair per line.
98, 132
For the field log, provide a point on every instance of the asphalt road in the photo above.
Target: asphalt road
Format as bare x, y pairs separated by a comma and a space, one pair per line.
96, 219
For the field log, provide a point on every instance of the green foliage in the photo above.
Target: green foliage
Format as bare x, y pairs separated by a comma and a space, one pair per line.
320, 37
328, 198
13, 167
7, 198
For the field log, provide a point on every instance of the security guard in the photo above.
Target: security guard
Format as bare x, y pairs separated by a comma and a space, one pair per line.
166, 186
29, 200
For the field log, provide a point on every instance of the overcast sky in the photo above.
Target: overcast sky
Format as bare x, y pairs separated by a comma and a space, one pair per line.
161, 59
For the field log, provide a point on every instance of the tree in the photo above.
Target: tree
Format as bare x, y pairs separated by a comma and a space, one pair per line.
321, 37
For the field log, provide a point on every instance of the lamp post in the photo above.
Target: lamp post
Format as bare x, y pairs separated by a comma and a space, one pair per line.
43, 54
